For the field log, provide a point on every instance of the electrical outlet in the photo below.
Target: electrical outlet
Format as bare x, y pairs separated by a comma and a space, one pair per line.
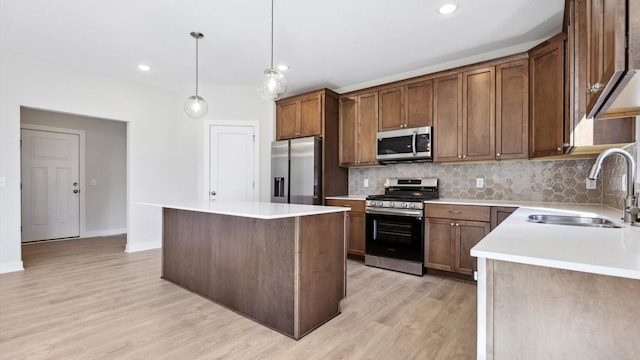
591, 184
479, 183
366, 182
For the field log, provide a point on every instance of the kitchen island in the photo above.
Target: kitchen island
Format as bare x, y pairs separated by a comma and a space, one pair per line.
281, 265
559, 291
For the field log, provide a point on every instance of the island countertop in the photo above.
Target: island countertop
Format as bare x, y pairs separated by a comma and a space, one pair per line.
249, 209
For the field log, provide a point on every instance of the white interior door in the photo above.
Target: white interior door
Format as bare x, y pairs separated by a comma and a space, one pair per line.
232, 162
50, 185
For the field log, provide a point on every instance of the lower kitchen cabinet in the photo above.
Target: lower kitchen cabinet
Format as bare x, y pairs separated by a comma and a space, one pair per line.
355, 225
449, 240
499, 214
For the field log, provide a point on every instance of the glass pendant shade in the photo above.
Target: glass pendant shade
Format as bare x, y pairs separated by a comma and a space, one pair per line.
196, 107
273, 85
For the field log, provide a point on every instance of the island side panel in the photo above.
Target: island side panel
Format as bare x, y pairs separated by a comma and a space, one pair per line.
322, 258
544, 313
245, 264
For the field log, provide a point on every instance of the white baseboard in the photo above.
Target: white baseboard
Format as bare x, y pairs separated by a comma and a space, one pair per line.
148, 245
11, 267
105, 232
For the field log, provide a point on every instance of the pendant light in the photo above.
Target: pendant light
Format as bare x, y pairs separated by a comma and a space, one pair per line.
273, 82
195, 106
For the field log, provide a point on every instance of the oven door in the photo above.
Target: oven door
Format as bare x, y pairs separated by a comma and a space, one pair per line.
395, 236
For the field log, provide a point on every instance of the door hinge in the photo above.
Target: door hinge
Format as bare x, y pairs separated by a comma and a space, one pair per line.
254, 138
253, 184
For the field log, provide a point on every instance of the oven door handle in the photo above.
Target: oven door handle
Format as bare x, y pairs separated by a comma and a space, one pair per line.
397, 212
413, 143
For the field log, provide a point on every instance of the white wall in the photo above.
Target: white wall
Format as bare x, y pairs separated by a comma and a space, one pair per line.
162, 152
105, 162
239, 103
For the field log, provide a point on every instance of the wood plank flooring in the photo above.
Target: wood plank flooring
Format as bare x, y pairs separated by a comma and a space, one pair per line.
88, 299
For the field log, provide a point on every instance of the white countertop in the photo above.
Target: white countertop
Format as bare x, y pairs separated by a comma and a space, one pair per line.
605, 251
251, 209
348, 197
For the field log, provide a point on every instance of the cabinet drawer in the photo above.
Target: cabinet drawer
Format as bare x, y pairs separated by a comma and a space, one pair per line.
355, 205
459, 212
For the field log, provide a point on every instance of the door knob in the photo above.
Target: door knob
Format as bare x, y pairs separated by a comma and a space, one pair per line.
213, 193
76, 191
75, 184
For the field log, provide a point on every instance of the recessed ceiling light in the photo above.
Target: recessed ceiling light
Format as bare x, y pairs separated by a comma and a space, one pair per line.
447, 9
283, 67
144, 67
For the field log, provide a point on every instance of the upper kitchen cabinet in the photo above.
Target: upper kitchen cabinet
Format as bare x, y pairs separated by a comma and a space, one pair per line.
478, 114
406, 106
546, 97
585, 134
613, 57
302, 115
512, 110
447, 118
358, 127
464, 115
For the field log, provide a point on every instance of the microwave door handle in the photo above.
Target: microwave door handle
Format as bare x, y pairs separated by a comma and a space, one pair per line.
413, 143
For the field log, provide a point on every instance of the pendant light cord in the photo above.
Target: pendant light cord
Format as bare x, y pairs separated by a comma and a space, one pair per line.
197, 68
272, 34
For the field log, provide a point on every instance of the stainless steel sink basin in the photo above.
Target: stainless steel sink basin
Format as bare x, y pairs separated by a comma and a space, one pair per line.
572, 220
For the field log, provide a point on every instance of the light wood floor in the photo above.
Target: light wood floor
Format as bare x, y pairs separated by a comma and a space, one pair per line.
88, 299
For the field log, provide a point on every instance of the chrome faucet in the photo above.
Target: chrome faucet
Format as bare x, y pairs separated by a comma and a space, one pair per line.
630, 205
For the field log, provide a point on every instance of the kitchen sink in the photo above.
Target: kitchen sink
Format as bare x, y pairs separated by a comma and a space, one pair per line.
573, 220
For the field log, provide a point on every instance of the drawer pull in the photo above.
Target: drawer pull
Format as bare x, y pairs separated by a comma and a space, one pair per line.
455, 211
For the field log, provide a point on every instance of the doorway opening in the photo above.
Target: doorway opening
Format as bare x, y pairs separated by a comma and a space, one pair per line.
74, 176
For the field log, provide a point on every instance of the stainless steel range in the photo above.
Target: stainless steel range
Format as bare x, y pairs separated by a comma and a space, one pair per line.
395, 224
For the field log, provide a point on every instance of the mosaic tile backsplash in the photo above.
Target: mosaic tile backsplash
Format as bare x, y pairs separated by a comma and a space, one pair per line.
548, 181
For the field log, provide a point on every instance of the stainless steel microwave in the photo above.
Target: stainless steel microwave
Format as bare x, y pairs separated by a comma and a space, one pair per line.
413, 144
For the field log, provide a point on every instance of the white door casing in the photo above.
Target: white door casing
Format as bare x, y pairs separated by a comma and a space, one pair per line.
232, 162
50, 185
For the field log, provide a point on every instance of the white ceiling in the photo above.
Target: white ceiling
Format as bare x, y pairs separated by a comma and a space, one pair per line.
340, 44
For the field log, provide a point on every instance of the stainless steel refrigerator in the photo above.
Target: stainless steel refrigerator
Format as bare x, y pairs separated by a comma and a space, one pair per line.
296, 171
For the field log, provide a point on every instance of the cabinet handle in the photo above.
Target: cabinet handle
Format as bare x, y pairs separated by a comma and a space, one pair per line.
559, 148
455, 211
459, 156
464, 156
457, 224
497, 154
452, 224
594, 88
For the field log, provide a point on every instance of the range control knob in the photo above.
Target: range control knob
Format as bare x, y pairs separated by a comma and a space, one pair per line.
392, 204
413, 206
379, 203
404, 205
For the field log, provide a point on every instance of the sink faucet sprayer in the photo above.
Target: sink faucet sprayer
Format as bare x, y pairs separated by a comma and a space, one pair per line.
630, 205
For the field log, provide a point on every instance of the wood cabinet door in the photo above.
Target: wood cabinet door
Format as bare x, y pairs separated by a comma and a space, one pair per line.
607, 53
348, 131
478, 114
367, 128
468, 234
356, 239
499, 213
392, 110
438, 246
447, 118
512, 110
546, 98
310, 116
419, 99
287, 120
